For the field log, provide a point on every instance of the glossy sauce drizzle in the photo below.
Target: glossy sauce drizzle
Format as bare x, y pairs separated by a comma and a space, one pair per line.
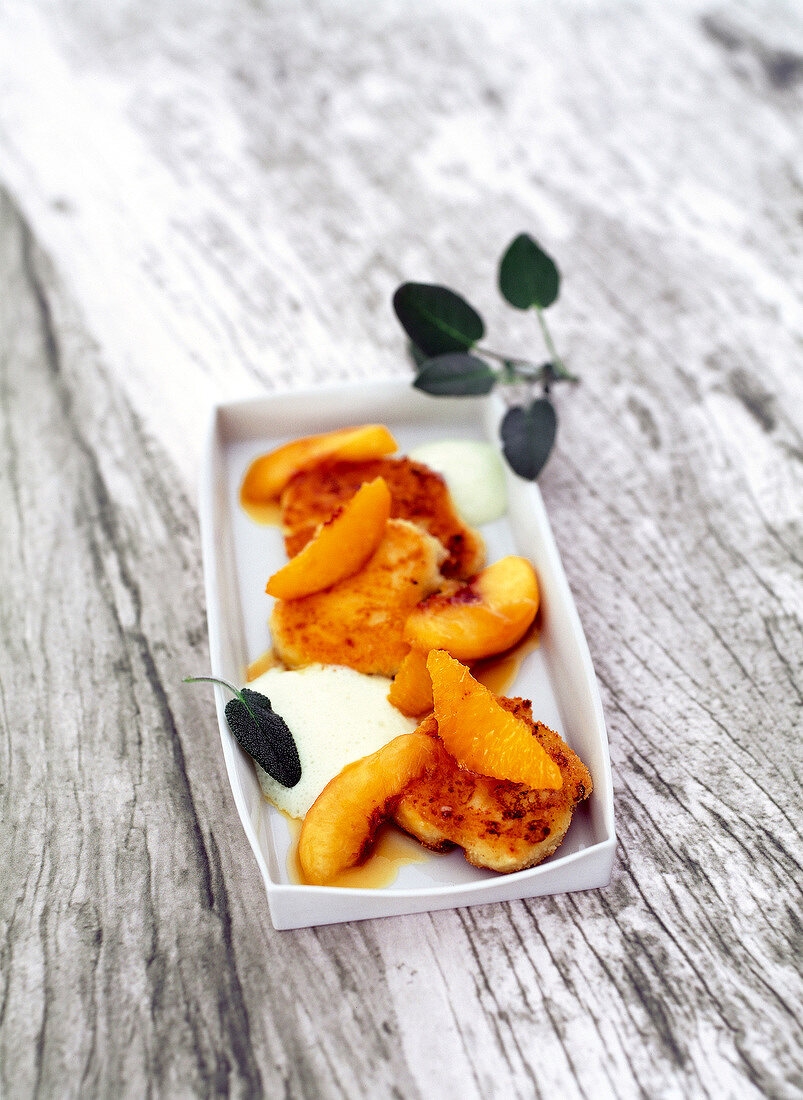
390, 851
499, 673
261, 664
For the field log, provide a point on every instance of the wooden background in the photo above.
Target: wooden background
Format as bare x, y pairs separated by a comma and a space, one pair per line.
201, 200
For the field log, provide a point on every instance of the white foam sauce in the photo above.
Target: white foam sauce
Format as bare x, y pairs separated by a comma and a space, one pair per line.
336, 716
474, 473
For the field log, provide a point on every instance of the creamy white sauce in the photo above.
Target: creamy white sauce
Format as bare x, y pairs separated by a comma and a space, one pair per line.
474, 473
336, 716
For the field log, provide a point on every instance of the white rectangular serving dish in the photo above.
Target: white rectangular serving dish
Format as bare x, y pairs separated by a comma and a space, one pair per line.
239, 555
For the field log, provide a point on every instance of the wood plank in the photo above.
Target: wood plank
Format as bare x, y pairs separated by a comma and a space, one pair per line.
207, 204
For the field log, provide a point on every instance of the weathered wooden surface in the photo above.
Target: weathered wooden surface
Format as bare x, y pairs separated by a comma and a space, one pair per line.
201, 201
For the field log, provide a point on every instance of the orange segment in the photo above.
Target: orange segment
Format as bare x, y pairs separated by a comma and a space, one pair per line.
268, 474
486, 616
343, 819
341, 547
483, 736
411, 690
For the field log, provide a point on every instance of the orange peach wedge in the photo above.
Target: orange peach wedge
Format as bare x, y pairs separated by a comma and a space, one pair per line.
411, 690
343, 819
480, 734
486, 616
268, 474
340, 548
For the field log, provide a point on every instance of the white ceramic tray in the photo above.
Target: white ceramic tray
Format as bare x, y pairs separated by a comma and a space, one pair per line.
240, 555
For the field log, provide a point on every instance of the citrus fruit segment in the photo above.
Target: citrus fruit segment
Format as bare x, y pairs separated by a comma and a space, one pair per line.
480, 734
341, 547
343, 819
268, 474
486, 616
411, 690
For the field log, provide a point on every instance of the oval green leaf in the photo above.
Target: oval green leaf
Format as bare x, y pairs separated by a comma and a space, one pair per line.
265, 736
262, 732
436, 319
455, 374
528, 435
418, 356
527, 276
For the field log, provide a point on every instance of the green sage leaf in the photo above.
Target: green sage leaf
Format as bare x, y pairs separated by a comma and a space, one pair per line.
527, 276
528, 435
262, 732
418, 356
455, 374
268, 739
436, 319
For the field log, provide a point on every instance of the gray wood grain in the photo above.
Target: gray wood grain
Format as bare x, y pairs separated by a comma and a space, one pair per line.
211, 200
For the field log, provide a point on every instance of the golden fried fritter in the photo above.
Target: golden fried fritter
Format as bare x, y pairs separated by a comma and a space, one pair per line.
418, 495
359, 621
500, 825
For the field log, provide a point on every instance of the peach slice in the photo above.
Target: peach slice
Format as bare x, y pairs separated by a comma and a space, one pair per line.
268, 474
481, 735
343, 819
486, 616
359, 621
340, 548
411, 690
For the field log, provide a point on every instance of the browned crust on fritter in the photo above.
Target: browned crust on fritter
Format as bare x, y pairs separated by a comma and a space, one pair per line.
418, 494
359, 621
500, 825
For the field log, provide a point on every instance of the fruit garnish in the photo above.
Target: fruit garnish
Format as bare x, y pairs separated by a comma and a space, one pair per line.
486, 616
262, 732
480, 734
411, 690
343, 820
268, 474
341, 547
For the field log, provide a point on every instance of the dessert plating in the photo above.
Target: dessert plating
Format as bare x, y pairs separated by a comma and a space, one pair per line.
464, 779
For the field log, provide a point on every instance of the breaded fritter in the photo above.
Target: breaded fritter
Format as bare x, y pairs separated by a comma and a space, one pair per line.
359, 621
418, 495
500, 825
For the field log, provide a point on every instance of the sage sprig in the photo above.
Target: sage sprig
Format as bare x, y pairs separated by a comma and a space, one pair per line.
445, 333
262, 732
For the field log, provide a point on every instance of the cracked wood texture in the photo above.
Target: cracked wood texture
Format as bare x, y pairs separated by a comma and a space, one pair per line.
206, 200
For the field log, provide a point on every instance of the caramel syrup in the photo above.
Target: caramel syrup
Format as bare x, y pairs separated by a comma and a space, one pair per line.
499, 673
390, 851
266, 660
